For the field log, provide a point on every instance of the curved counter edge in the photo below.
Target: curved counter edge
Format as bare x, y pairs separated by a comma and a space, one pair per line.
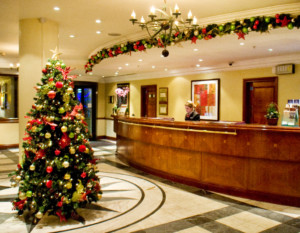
255, 161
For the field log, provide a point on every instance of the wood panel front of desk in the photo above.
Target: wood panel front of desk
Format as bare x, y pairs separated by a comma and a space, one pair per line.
257, 162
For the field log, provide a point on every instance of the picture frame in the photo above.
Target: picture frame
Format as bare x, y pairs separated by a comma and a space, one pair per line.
123, 100
163, 109
163, 95
206, 98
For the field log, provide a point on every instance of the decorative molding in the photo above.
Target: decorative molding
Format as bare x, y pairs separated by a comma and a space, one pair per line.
106, 137
8, 120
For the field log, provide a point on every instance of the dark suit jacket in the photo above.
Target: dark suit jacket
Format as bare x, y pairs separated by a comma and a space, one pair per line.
193, 116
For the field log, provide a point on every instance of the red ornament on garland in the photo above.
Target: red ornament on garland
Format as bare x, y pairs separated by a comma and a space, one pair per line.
49, 169
204, 30
59, 85
49, 184
44, 71
82, 148
83, 175
50, 79
51, 94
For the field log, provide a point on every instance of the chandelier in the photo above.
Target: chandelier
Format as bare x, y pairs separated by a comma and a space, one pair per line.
162, 25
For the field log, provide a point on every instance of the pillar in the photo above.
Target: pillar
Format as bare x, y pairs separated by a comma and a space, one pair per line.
37, 38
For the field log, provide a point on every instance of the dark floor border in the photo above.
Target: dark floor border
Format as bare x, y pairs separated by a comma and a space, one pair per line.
98, 138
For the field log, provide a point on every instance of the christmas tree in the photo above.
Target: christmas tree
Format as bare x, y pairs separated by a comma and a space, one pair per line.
57, 174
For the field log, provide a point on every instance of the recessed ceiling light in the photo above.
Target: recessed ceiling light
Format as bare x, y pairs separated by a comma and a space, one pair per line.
140, 59
153, 67
103, 76
120, 68
90, 73
161, 55
126, 64
200, 60
79, 75
98, 32
56, 8
72, 36
18, 64
198, 65
166, 69
270, 50
98, 21
195, 50
11, 65
242, 43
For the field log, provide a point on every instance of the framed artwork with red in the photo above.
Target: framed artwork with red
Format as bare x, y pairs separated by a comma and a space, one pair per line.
206, 98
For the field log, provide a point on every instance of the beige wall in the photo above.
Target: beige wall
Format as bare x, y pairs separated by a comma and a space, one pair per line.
9, 133
231, 97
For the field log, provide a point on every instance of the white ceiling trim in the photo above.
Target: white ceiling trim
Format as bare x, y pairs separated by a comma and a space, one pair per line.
241, 65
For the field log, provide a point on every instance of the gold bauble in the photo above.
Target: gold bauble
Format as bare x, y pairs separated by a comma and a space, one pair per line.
67, 176
196, 32
28, 125
99, 196
49, 143
77, 130
72, 150
13, 184
68, 185
33, 129
39, 107
48, 64
22, 196
47, 135
78, 116
89, 165
32, 167
18, 178
70, 90
64, 129
66, 164
87, 150
82, 117
39, 215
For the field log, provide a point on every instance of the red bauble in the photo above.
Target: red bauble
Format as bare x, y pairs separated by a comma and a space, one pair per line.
49, 184
51, 79
59, 85
57, 152
82, 148
49, 169
254, 27
44, 71
204, 30
277, 16
51, 94
83, 175
256, 22
278, 20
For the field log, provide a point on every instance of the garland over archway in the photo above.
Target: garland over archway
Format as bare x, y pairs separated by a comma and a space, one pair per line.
240, 28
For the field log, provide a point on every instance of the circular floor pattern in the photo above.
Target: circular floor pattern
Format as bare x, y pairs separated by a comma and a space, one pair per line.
126, 200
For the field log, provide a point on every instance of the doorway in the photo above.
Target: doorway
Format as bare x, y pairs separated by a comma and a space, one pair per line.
86, 94
258, 93
148, 101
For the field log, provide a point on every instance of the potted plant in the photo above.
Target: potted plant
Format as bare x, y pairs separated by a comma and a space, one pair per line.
272, 114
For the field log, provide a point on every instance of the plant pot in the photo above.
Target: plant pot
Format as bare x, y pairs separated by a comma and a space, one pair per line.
272, 121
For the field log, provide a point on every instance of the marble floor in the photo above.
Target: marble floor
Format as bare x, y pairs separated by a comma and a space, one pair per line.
134, 201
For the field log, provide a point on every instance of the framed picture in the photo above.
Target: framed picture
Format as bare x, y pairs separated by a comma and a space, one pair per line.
123, 99
206, 96
163, 95
163, 109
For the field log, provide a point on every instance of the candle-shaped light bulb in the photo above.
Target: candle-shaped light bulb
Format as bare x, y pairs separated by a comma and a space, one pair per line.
152, 10
142, 20
176, 23
176, 9
190, 15
194, 20
133, 16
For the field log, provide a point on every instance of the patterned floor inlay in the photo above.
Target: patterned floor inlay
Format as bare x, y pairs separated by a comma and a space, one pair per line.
134, 201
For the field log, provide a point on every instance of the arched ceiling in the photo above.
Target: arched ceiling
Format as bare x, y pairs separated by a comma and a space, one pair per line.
77, 17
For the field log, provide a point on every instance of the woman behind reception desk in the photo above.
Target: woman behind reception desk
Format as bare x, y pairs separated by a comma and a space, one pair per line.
191, 114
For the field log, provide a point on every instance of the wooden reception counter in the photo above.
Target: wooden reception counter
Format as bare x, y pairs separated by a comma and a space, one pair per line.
256, 161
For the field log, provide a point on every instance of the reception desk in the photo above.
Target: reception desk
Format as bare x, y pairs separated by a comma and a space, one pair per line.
255, 161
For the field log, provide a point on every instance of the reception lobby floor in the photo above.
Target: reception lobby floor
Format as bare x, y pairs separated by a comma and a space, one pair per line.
134, 201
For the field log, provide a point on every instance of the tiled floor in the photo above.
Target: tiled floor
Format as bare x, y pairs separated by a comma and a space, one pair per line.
134, 201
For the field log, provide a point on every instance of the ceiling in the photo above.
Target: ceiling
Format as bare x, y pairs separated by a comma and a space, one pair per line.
77, 17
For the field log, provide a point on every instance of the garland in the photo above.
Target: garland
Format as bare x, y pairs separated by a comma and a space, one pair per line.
240, 28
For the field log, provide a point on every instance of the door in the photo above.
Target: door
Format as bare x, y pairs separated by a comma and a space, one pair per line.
258, 93
86, 94
148, 101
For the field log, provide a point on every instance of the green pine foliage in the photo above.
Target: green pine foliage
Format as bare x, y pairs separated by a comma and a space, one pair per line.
57, 174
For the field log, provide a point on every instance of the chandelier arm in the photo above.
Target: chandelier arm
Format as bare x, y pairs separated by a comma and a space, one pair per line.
163, 12
157, 32
148, 31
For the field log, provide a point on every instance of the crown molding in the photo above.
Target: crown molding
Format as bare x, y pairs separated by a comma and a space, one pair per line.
240, 65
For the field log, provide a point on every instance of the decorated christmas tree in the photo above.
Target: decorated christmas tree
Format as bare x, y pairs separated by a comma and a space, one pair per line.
57, 174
